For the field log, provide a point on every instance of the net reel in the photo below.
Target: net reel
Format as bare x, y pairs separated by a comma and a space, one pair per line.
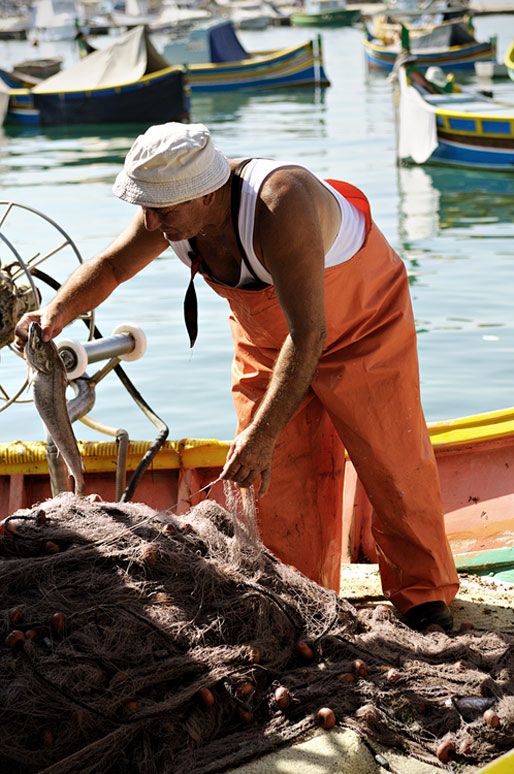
28, 279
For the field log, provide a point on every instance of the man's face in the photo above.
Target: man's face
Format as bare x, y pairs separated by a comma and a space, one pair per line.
177, 221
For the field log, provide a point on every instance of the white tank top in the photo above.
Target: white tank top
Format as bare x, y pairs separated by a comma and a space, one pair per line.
348, 241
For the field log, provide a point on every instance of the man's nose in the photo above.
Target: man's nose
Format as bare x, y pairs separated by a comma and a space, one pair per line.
152, 219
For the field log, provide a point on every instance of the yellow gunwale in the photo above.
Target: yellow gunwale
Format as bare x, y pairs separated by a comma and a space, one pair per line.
446, 114
29, 457
116, 86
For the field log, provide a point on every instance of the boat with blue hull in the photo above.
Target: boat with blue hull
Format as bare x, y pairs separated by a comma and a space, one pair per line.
451, 46
509, 61
457, 127
128, 81
216, 61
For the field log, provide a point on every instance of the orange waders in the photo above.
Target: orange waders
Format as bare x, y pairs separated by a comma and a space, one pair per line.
365, 397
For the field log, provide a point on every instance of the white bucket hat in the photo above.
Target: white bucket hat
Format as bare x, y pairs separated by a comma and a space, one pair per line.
169, 164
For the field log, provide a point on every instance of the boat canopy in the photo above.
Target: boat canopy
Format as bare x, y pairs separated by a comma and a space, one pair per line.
445, 36
211, 43
224, 44
126, 60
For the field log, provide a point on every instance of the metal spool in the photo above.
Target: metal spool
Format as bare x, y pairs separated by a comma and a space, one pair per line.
36, 256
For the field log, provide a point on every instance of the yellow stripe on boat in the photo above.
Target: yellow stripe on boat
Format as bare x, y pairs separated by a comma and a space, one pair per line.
29, 457
491, 426
503, 765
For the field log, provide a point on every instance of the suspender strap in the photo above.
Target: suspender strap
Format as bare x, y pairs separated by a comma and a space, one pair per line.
235, 199
197, 263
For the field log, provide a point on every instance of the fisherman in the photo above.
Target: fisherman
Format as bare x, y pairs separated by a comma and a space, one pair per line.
325, 350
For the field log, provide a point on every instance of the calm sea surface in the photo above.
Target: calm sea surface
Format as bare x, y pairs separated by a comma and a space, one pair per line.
454, 229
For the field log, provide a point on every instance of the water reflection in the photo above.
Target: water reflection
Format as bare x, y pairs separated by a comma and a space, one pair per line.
75, 131
227, 106
432, 199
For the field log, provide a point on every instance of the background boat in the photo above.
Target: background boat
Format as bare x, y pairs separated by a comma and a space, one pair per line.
127, 81
39, 68
217, 61
324, 13
440, 122
54, 20
451, 46
14, 24
174, 16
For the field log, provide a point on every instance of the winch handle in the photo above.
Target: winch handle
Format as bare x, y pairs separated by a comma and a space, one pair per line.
127, 342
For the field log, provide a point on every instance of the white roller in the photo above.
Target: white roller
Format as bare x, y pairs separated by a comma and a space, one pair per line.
79, 351
139, 337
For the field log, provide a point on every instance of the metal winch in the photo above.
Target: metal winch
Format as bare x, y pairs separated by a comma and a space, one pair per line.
25, 286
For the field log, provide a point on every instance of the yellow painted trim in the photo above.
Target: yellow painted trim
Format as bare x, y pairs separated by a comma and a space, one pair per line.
261, 58
446, 114
502, 765
29, 457
491, 426
118, 86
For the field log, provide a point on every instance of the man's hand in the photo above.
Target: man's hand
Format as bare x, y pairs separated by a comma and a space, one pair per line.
248, 458
49, 327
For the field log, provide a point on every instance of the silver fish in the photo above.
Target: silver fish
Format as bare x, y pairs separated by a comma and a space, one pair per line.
47, 376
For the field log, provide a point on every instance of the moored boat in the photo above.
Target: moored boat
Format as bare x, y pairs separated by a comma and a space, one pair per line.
39, 68
128, 81
451, 46
54, 20
457, 127
332, 13
216, 61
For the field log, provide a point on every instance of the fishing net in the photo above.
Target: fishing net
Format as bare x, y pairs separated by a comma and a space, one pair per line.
15, 300
141, 642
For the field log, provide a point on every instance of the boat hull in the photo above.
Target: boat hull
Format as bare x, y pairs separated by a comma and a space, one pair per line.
462, 152
475, 458
157, 98
298, 66
463, 57
339, 18
470, 131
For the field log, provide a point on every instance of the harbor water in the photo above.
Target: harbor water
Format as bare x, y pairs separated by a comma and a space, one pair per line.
453, 228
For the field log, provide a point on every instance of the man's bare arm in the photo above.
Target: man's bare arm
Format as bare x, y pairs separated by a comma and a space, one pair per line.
94, 280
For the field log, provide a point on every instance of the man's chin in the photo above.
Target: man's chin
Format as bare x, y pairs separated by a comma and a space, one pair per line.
178, 236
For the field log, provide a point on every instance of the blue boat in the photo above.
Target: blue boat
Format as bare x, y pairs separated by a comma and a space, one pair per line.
450, 46
126, 82
216, 61
440, 122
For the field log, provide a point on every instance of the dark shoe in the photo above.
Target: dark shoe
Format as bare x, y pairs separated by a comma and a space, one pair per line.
422, 616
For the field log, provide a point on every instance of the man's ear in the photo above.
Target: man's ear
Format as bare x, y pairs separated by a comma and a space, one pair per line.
208, 198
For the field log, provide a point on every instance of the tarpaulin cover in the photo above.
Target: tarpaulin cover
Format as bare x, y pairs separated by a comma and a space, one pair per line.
126, 60
224, 45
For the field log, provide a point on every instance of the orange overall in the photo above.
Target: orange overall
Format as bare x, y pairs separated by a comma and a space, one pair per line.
365, 398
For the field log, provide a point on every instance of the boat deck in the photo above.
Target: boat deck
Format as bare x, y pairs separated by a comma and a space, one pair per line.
467, 104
